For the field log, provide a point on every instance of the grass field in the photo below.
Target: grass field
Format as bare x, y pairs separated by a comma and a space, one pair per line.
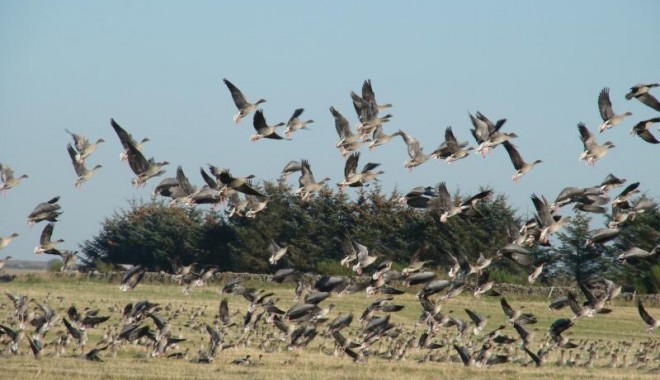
189, 314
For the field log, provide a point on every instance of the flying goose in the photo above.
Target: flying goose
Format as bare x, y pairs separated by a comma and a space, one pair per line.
132, 278
4, 261
610, 119
484, 130
276, 251
8, 179
378, 137
295, 123
367, 108
126, 139
83, 147
592, 151
307, 183
82, 172
610, 182
48, 210
636, 253
255, 205
45, 244
354, 179
4, 241
263, 129
348, 141
144, 169
650, 321
519, 164
548, 222
291, 167
240, 184
244, 107
516, 316
454, 149
417, 157
643, 130
641, 92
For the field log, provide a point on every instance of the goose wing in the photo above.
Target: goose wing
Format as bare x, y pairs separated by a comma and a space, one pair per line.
515, 157
237, 95
650, 101
341, 124
604, 104
648, 319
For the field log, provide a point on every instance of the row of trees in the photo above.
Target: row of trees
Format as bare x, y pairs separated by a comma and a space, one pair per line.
163, 238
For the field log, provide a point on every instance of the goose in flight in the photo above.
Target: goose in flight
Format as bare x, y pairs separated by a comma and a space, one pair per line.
643, 130
378, 137
126, 139
354, 179
276, 251
641, 92
8, 179
48, 210
244, 107
4, 241
307, 183
144, 169
367, 109
291, 167
548, 222
295, 123
610, 119
240, 184
348, 141
83, 147
263, 129
45, 244
484, 130
454, 149
82, 172
592, 150
519, 164
417, 157
651, 322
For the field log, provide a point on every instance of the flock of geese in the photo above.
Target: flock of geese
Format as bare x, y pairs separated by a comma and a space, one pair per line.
445, 336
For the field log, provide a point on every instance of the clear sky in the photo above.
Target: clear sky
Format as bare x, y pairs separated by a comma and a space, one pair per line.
157, 67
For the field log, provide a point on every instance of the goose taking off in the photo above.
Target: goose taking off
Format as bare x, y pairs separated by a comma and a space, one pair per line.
295, 123
454, 149
643, 130
45, 211
484, 130
244, 107
126, 139
144, 169
641, 92
519, 164
417, 157
45, 244
307, 183
8, 179
263, 129
79, 166
592, 151
610, 119
83, 147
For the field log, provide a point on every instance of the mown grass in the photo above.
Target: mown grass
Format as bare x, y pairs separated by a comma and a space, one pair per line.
317, 360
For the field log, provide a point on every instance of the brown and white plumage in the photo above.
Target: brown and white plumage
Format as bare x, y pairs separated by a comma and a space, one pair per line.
276, 251
641, 92
83, 147
244, 107
354, 179
348, 141
295, 123
126, 139
643, 130
82, 172
519, 164
263, 129
45, 242
486, 133
48, 210
308, 185
455, 150
8, 179
610, 119
592, 150
417, 156
144, 169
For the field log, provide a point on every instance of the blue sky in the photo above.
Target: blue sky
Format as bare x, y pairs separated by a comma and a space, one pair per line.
157, 68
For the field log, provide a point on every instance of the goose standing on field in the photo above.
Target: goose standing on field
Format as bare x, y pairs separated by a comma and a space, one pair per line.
48, 210
643, 130
641, 92
610, 119
264, 130
8, 179
295, 123
519, 164
79, 166
45, 244
592, 151
4, 241
456, 152
244, 107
